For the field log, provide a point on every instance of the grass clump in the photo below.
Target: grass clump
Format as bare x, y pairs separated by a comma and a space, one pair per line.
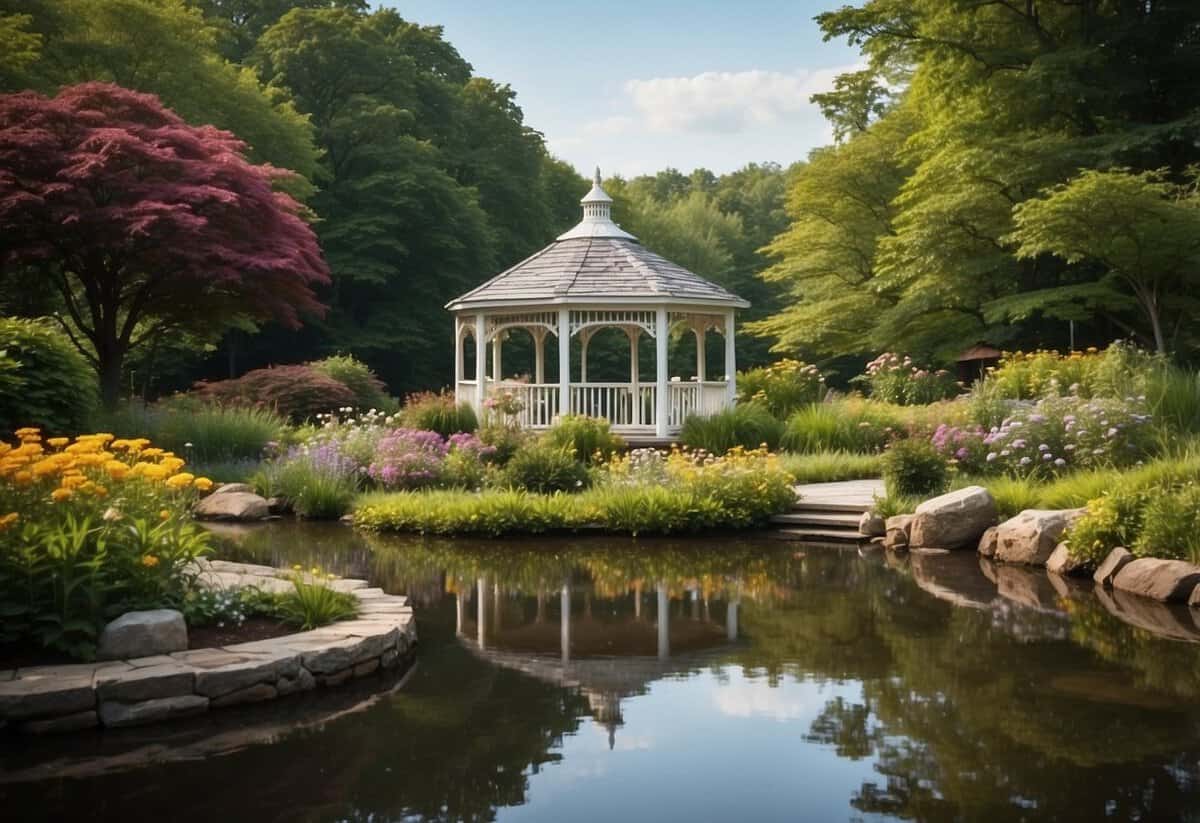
851, 424
545, 468
913, 467
830, 466
748, 425
441, 413
590, 439
313, 602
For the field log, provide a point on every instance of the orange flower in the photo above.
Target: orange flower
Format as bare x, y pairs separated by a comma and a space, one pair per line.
164, 515
149, 561
202, 483
58, 442
59, 495
8, 519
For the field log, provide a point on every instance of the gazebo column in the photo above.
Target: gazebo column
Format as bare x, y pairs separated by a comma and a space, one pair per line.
480, 364
497, 364
634, 333
458, 358
539, 354
662, 399
585, 337
730, 358
564, 361
700, 354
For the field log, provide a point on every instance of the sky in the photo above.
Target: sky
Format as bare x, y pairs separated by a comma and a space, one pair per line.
635, 87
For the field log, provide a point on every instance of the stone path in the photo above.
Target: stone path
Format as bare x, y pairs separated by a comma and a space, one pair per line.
826, 512
143, 690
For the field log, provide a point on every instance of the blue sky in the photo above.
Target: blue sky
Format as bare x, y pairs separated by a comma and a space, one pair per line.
638, 86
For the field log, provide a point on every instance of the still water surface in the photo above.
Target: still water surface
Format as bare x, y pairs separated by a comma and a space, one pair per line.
594, 679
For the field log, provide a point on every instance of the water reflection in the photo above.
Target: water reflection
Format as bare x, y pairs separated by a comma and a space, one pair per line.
595, 679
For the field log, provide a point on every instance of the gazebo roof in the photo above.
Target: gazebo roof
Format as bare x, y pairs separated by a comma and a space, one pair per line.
595, 262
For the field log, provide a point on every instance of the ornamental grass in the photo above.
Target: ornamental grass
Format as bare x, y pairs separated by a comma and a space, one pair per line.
91, 527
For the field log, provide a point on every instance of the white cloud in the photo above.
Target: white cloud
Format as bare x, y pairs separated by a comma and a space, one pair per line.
759, 699
728, 102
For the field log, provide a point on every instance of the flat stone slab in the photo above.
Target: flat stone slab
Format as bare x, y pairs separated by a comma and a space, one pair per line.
154, 687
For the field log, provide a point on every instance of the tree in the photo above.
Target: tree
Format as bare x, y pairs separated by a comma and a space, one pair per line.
165, 48
1135, 231
145, 224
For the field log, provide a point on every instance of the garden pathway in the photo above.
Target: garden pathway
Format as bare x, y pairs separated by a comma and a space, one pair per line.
826, 512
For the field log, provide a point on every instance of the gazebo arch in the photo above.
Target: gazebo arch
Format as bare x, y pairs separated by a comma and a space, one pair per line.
597, 276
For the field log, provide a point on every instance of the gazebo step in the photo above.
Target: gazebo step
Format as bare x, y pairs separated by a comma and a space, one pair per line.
799, 517
819, 535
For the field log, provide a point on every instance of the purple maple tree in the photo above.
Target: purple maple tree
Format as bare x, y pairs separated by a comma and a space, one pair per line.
145, 224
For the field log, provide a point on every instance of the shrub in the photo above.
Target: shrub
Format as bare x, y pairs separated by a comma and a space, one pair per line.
369, 391
505, 439
963, 448
852, 425
297, 392
782, 387
987, 404
408, 459
312, 488
439, 413
44, 381
1062, 433
1173, 397
546, 468
1171, 525
747, 425
493, 512
913, 467
216, 433
1111, 520
588, 438
89, 529
896, 379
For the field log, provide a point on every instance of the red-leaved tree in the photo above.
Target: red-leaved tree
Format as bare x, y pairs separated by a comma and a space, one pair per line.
145, 224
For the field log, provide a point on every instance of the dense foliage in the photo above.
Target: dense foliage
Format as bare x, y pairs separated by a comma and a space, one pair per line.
44, 380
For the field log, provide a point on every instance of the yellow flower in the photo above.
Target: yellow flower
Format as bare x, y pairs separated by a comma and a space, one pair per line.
23, 478
155, 452
8, 519
98, 490
171, 464
58, 442
181, 480
73, 481
116, 469
28, 433
164, 515
59, 495
149, 561
202, 483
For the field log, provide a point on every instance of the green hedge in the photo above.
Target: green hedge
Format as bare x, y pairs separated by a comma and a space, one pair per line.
44, 380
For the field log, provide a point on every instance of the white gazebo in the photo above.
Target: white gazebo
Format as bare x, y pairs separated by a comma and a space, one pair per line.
592, 277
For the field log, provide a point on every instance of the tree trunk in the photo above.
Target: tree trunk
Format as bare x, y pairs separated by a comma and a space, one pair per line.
110, 368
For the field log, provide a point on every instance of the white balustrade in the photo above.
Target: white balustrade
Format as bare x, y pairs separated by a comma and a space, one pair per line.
708, 397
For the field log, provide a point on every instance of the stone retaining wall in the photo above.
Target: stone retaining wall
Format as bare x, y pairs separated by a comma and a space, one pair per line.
143, 690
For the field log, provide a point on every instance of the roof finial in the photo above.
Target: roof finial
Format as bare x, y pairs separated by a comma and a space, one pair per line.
597, 177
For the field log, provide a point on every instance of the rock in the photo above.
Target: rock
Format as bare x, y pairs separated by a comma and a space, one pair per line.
369, 667
66, 723
46, 696
337, 678
1032, 535
1061, 562
872, 525
954, 520
1116, 560
1167, 581
225, 672
951, 581
237, 506
987, 543
1157, 618
302, 682
896, 535
277, 505
251, 694
389, 658
115, 714
1027, 587
141, 634
169, 679
234, 488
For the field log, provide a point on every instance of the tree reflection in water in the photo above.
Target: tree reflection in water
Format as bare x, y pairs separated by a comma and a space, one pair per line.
969, 692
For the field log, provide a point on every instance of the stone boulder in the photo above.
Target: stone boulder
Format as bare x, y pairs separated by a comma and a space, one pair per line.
1116, 560
896, 530
238, 506
1032, 535
1167, 581
954, 520
987, 543
872, 525
231, 488
1061, 562
142, 634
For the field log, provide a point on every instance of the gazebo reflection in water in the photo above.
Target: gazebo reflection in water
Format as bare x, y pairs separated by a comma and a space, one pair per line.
609, 647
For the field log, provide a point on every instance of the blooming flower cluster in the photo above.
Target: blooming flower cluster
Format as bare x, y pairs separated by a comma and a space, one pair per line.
897, 379
963, 446
412, 458
782, 387
1060, 433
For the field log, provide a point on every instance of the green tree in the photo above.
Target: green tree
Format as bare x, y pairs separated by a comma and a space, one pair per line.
1136, 233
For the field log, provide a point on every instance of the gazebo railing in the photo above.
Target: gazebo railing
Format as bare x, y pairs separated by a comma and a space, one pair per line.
624, 405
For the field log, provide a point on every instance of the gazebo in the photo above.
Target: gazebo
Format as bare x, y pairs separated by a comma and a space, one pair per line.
592, 277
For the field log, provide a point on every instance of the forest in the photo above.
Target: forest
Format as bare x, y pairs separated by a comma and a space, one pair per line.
1021, 174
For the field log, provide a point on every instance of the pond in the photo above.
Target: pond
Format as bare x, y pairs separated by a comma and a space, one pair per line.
601, 679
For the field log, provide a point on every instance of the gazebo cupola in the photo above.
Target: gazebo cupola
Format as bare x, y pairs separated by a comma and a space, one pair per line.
595, 276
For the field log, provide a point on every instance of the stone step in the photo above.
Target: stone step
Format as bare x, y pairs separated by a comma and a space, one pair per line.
801, 517
807, 505
819, 535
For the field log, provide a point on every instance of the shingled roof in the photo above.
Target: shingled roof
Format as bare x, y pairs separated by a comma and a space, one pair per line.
596, 261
